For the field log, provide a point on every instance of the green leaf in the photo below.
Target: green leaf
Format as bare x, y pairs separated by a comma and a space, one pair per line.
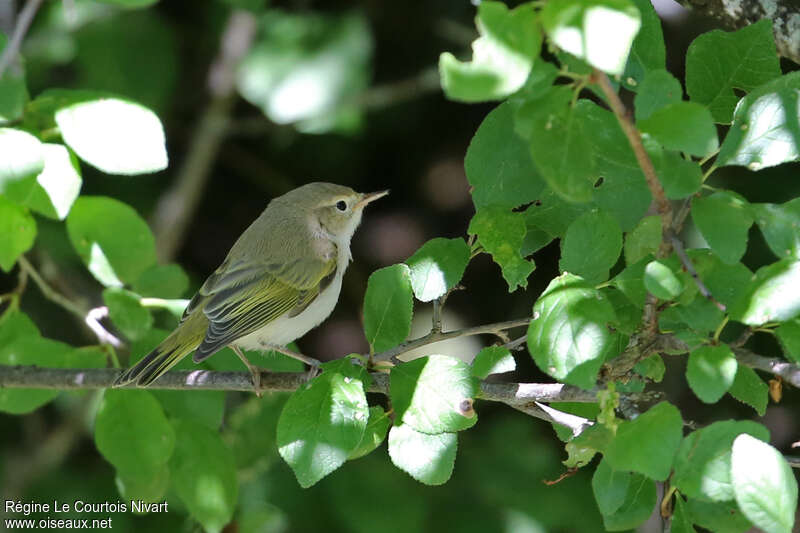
437, 267
162, 281
644, 240
599, 31
661, 281
683, 126
374, 434
493, 360
205, 407
570, 339
640, 500
703, 464
23, 159
699, 314
720, 517
552, 215
501, 233
631, 282
127, 313
648, 52
771, 295
591, 246
250, 430
749, 388
779, 224
764, 485
111, 239
147, 489
719, 62
13, 92
308, 69
658, 90
19, 231
726, 282
132, 433
681, 522
498, 163
788, 334
321, 424
58, 185
610, 487
15, 324
765, 130
558, 143
652, 367
114, 135
27, 348
680, 177
204, 474
723, 220
427, 458
388, 307
434, 394
648, 444
502, 56
130, 3
711, 371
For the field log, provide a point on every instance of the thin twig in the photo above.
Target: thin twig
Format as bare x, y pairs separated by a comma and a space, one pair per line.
430, 338
790, 372
50, 293
23, 23
538, 410
677, 245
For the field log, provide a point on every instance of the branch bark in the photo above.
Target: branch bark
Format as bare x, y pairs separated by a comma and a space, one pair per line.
23, 23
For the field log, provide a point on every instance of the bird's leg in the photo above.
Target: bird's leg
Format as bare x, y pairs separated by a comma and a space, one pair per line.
310, 361
255, 372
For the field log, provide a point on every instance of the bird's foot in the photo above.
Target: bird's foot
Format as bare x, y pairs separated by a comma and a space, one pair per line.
255, 372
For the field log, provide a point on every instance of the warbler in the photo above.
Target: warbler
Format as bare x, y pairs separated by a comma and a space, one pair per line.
280, 279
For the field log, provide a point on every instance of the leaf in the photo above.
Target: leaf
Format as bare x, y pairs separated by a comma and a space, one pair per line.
162, 281
374, 434
771, 295
726, 282
127, 313
434, 394
114, 135
437, 267
599, 31
680, 177
388, 307
658, 90
640, 499
204, 474
321, 424
723, 219
661, 281
648, 444
19, 231
599, 233
652, 367
764, 485
13, 92
150, 489
493, 360
111, 239
22, 161
788, 334
721, 517
644, 240
749, 388
765, 130
552, 215
570, 338
779, 224
631, 282
501, 233
681, 523
558, 144
647, 52
610, 487
703, 463
502, 56
15, 324
427, 458
498, 163
718, 62
711, 371
130, 3
683, 126
204, 407
132, 433
58, 185
27, 348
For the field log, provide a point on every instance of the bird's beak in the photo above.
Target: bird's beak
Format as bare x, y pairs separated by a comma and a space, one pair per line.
371, 197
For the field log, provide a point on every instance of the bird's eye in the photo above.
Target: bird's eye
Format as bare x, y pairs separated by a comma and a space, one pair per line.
341, 205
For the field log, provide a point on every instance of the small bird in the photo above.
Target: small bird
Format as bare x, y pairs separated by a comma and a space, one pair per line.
280, 279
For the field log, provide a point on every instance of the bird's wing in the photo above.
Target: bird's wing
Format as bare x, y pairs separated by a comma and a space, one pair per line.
239, 298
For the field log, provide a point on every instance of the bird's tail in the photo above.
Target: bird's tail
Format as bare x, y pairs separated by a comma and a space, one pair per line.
178, 345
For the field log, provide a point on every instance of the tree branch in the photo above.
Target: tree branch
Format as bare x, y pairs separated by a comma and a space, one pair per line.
14, 44
790, 372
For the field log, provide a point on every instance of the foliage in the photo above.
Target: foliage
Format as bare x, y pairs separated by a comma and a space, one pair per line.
552, 162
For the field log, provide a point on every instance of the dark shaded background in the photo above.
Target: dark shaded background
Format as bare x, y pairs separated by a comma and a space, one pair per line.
413, 144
